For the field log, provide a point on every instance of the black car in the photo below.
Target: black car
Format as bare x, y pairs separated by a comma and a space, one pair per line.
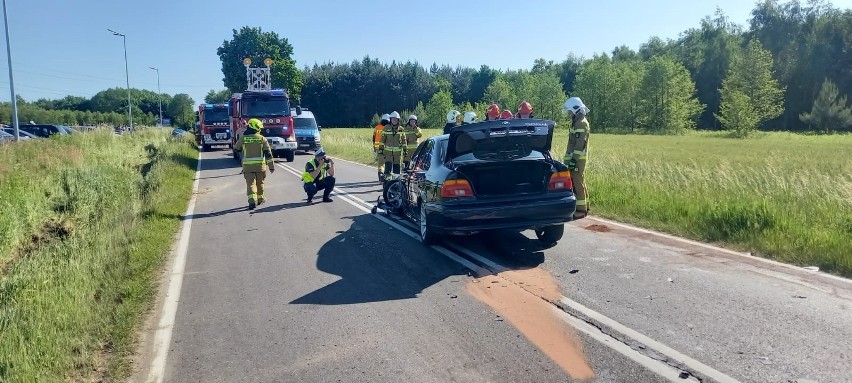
486, 176
43, 130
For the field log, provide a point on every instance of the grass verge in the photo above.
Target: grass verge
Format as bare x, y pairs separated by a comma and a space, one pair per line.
85, 223
783, 196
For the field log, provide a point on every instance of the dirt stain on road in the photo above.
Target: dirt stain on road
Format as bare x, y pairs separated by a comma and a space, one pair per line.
522, 297
598, 228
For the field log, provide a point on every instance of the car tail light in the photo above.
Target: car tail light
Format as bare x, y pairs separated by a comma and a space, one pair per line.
456, 189
560, 181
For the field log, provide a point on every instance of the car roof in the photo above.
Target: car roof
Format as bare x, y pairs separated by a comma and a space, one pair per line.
305, 114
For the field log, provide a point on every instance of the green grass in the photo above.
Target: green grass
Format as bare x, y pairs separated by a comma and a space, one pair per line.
85, 224
779, 195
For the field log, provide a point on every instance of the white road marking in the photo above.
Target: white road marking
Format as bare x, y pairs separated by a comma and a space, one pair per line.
163, 336
653, 365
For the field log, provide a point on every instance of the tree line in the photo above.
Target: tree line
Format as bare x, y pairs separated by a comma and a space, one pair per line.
787, 69
106, 107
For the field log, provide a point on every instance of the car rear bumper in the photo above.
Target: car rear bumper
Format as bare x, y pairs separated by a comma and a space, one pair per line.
277, 143
308, 143
478, 216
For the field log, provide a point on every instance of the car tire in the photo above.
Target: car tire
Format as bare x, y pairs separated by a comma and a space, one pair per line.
393, 193
550, 234
290, 156
427, 234
205, 148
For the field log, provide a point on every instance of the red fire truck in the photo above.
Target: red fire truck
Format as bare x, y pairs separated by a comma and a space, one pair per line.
272, 107
213, 126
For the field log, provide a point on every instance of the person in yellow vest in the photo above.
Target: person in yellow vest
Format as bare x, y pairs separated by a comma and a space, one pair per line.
412, 139
255, 152
319, 175
377, 138
393, 140
577, 152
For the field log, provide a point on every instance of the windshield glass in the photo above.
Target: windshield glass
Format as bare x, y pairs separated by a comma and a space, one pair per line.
266, 107
215, 115
305, 123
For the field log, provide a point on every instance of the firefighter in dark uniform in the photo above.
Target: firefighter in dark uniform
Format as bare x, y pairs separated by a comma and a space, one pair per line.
319, 175
577, 152
412, 139
393, 141
255, 153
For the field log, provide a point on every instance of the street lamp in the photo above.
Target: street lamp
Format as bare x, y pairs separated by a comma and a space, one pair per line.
127, 77
11, 79
159, 94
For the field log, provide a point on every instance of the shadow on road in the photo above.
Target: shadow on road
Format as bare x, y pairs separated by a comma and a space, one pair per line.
509, 248
376, 264
276, 208
219, 163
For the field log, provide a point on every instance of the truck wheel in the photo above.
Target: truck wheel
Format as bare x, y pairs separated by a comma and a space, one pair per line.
290, 155
550, 234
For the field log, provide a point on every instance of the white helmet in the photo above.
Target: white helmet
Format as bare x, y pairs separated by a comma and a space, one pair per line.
469, 117
386, 117
452, 116
575, 105
412, 117
394, 114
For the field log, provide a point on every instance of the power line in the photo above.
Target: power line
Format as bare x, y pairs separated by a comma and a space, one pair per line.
87, 77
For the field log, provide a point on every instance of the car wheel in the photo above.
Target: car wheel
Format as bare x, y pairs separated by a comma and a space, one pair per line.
427, 234
205, 148
290, 156
394, 194
550, 234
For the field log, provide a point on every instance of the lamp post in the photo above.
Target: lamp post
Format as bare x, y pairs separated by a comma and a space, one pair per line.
159, 96
127, 77
11, 79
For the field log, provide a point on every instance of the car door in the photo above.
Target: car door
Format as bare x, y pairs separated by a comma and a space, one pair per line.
421, 160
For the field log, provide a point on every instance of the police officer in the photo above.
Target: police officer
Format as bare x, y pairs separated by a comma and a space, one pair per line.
377, 138
576, 154
393, 140
525, 110
412, 138
255, 152
452, 117
319, 175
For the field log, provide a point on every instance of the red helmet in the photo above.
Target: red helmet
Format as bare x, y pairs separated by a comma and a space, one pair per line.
506, 115
493, 111
525, 108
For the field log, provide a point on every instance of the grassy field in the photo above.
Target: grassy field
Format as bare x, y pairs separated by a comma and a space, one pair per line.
85, 223
782, 196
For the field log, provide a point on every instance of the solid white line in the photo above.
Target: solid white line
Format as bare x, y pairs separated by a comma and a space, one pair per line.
658, 367
163, 336
654, 366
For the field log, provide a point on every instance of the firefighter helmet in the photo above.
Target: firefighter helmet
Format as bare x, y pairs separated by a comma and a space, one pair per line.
395, 115
506, 115
493, 111
525, 109
469, 117
452, 116
575, 105
255, 124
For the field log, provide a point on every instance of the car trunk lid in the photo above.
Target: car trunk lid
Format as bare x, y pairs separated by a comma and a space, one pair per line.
501, 140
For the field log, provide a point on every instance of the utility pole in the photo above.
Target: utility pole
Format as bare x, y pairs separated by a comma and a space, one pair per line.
11, 79
127, 77
159, 96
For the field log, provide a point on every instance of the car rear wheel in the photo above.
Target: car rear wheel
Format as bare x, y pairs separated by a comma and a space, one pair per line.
290, 156
550, 234
427, 234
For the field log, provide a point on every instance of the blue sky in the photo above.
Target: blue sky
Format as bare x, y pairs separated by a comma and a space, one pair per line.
62, 47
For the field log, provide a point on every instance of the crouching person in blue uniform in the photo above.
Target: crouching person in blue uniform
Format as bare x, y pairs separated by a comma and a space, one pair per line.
319, 175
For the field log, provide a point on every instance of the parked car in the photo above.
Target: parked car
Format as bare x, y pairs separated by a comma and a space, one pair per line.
21, 133
486, 176
43, 130
307, 130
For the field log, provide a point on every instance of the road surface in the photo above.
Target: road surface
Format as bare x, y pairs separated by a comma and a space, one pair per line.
329, 292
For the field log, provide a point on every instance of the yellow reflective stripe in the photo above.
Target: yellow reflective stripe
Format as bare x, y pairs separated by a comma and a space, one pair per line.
580, 152
582, 202
253, 162
252, 159
581, 130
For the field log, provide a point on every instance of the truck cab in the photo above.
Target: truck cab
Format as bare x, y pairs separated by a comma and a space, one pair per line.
272, 108
213, 126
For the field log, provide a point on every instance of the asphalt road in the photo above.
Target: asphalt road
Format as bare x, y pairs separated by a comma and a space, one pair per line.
328, 292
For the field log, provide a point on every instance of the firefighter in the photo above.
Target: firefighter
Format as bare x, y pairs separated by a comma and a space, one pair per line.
393, 139
577, 153
469, 118
452, 119
255, 152
319, 175
377, 138
492, 113
412, 138
506, 115
525, 110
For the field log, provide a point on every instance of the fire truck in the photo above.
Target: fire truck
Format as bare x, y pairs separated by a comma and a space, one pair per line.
213, 126
272, 107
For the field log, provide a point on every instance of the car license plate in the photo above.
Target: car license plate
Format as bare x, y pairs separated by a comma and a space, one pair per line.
221, 136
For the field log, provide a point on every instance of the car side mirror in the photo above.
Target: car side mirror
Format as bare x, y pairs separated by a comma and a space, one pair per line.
319, 127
